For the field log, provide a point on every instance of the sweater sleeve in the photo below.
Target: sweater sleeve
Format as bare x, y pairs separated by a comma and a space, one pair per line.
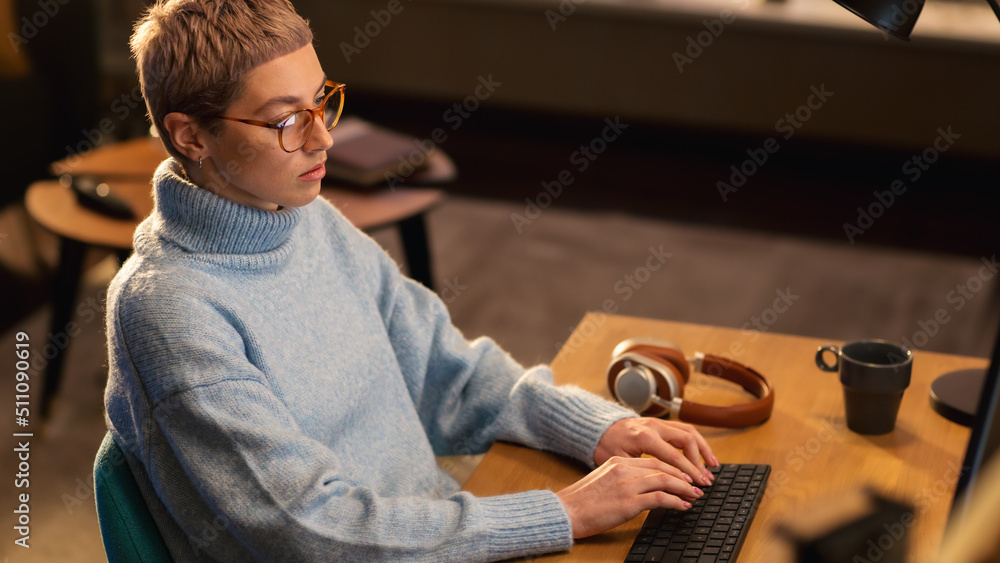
470, 394
280, 494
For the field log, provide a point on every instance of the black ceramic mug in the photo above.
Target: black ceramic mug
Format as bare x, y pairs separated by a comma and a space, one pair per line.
874, 374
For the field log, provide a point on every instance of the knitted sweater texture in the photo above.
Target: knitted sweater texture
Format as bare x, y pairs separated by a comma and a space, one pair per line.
281, 391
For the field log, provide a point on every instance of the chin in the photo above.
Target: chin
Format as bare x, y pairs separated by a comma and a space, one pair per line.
304, 195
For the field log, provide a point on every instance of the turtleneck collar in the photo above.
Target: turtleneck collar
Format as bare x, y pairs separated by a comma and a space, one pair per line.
199, 221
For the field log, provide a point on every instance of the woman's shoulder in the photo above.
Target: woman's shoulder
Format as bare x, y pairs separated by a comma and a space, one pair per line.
150, 287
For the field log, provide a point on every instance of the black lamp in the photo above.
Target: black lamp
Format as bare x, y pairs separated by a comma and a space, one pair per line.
895, 17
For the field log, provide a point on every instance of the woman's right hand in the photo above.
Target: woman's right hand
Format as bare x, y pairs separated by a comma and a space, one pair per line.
621, 489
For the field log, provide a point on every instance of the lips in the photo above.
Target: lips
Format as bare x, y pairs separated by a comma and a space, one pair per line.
315, 173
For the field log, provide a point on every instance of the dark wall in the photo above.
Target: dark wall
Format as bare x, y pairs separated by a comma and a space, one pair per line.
58, 100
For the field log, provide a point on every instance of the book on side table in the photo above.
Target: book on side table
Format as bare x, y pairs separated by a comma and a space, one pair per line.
366, 154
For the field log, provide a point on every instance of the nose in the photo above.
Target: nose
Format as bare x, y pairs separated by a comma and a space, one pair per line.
319, 138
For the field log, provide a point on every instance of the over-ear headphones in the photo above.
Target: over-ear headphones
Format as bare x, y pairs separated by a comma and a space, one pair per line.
649, 375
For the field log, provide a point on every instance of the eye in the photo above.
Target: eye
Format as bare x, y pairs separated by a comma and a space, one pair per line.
319, 99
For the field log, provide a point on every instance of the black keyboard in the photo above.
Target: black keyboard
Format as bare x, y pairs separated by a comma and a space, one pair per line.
713, 529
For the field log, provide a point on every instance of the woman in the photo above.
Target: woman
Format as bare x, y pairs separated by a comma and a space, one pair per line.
279, 389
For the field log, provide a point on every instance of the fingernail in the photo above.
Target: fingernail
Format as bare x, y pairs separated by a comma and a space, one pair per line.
688, 478
687, 505
698, 492
715, 461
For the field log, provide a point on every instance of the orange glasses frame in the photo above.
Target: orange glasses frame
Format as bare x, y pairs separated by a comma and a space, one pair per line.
318, 111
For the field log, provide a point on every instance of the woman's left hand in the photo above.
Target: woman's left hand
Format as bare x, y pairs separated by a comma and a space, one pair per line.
676, 443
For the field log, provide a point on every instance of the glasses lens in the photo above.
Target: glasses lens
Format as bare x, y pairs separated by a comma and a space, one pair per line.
334, 105
296, 130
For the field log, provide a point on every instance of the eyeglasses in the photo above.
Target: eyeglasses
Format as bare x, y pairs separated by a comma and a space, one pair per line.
294, 128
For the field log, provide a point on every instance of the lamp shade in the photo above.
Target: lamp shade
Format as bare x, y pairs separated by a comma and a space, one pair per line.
895, 17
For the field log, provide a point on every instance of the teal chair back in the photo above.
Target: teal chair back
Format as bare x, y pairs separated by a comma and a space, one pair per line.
127, 527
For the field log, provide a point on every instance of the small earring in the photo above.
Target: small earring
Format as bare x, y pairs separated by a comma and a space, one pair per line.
199, 163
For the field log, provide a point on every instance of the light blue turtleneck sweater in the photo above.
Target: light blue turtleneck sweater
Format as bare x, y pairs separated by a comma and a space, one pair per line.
281, 390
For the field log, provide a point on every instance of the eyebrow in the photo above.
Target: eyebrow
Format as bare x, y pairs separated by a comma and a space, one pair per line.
285, 100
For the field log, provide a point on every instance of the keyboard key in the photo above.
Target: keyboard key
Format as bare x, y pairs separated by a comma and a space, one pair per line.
713, 529
655, 554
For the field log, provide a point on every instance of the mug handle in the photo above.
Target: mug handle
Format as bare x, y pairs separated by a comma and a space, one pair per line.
821, 362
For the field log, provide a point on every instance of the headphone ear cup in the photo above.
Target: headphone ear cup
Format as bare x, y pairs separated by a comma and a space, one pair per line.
634, 387
634, 379
659, 350
670, 356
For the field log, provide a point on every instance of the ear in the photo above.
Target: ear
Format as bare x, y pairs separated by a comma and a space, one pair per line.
186, 134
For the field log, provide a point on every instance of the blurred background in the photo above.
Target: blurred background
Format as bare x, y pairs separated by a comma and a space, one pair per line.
766, 150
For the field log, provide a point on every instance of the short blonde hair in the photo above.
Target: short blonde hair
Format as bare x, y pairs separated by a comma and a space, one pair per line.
193, 55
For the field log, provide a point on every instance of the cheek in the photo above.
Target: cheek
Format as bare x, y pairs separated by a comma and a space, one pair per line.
256, 157
245, 146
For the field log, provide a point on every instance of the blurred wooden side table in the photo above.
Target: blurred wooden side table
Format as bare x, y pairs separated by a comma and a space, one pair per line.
127, 168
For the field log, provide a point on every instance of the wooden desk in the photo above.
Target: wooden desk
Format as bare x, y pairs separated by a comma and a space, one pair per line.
812, 453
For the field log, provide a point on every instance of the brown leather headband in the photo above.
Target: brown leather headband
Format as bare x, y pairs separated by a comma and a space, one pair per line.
733, 416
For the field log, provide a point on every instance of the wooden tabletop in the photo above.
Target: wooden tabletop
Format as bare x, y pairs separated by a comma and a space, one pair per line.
55, 207
815, 459
371, 208
134, 159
